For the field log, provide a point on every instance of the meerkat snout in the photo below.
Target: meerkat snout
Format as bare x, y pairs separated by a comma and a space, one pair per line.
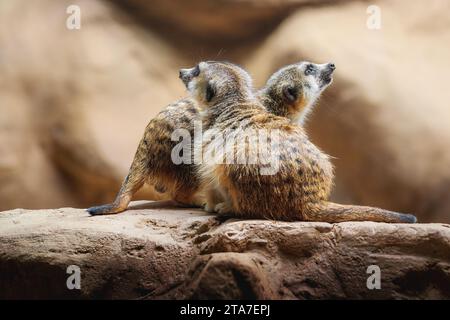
320, 74
326, 74
186, 75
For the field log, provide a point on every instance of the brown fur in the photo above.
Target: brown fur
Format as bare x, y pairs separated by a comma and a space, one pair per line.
152, 163
299, 190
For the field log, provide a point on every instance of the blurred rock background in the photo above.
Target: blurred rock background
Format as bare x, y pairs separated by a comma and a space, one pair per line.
74, 103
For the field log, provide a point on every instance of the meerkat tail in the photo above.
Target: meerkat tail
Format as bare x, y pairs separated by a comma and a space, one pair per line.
334, 212
133, 182
123, 198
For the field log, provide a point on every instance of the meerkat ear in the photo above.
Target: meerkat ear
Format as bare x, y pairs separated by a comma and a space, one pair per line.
290, 93
210, 92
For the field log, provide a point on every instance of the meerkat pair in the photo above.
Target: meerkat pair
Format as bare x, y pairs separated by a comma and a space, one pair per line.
222, 97
153, 163
300, 187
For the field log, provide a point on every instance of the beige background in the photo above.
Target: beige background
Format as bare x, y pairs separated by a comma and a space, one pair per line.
73, 104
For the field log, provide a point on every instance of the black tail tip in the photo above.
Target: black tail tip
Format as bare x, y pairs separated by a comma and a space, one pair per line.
408, 218
95, 211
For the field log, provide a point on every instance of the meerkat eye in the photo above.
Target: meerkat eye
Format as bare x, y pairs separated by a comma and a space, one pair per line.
210, 92
196, 71
310, 70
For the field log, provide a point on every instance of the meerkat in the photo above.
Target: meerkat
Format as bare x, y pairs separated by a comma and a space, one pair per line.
152, 162
300, 187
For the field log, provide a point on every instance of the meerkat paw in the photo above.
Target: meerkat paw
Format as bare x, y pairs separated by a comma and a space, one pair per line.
223, 209
209, 207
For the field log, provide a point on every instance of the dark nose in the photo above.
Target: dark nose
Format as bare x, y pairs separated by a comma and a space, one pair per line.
185, 76
331, 66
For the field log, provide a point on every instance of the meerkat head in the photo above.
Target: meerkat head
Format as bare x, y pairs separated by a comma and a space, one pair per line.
213, 82
292, 91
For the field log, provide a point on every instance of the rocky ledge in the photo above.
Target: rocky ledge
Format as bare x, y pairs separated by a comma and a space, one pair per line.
158, 251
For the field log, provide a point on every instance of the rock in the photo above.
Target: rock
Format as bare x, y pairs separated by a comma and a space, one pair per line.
155, 250
214, 22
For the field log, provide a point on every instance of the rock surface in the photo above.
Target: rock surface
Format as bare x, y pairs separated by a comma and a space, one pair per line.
156, 251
